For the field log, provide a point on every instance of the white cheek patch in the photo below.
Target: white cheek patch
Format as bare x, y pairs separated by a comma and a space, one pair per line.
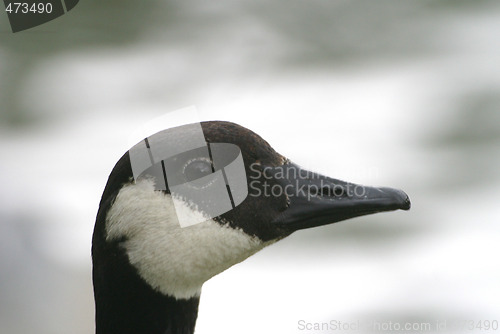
173, 260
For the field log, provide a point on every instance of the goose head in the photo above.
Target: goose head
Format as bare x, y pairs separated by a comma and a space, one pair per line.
188, 203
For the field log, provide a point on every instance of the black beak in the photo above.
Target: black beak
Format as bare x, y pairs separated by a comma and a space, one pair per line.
316, 200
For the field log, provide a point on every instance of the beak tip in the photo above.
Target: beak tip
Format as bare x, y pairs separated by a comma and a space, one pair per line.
403, 199
398, 198
407, 204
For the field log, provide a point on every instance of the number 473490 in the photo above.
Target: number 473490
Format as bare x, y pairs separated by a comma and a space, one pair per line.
25, 8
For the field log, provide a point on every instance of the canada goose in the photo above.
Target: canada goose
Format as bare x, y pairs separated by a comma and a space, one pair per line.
150, 262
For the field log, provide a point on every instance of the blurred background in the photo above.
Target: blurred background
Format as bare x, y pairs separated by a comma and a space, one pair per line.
396, 93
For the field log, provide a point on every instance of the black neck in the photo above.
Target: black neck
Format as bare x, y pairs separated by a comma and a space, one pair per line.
159, 316
125, 303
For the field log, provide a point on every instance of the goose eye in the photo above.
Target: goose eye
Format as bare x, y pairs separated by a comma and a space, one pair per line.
196, 169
